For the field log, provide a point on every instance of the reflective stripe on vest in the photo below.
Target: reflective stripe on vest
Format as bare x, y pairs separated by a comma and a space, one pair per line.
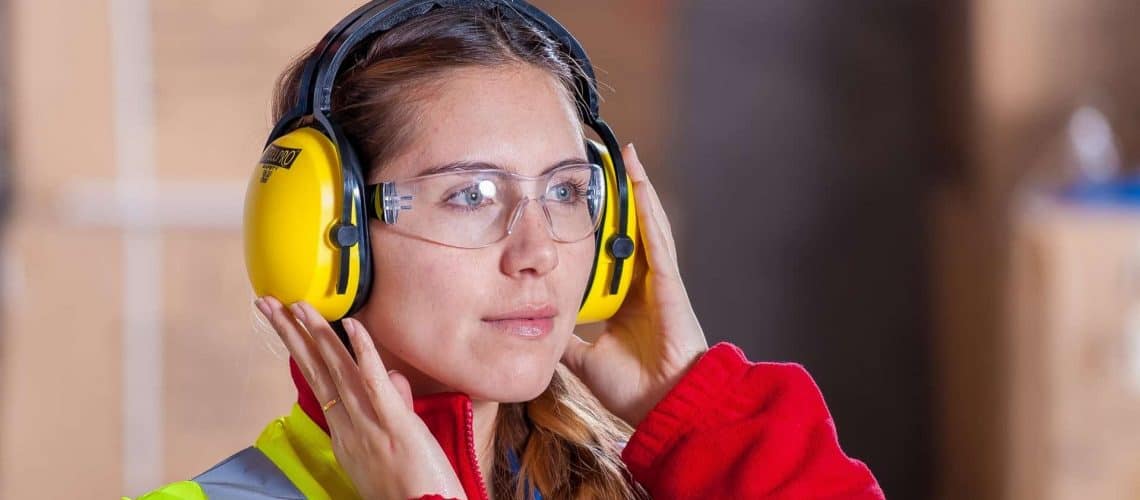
247, 475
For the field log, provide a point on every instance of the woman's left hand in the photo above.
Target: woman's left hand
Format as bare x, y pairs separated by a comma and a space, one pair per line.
653, 339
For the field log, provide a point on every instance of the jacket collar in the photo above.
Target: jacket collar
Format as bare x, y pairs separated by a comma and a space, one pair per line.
448, 416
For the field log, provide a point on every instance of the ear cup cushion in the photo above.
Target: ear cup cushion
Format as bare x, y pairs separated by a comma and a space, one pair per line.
293, 201
595, 156
598, 304
355, 184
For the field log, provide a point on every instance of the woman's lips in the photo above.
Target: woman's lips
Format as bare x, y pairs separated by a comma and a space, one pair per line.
523, 327
529, 320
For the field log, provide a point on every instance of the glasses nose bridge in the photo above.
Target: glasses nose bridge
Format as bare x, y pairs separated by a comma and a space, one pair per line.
520, 209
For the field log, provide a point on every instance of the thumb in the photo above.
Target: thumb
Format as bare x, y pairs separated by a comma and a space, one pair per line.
403, 387
574, 357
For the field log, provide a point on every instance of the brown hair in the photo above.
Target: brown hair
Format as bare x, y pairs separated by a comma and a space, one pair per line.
567, 444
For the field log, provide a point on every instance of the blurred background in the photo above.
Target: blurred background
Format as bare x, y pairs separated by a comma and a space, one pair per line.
931, 205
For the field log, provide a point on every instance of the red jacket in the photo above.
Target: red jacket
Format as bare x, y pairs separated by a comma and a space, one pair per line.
730, 428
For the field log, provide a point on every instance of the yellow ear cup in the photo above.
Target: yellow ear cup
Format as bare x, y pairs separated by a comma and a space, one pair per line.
600, 305
293, 201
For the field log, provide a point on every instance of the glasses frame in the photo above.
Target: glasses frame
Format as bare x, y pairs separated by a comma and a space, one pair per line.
392, 202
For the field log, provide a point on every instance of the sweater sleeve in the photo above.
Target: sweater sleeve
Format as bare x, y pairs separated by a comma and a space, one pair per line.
731, 428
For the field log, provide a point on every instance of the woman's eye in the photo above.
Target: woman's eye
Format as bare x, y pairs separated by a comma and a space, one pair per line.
468, 198
474, 196
566, 192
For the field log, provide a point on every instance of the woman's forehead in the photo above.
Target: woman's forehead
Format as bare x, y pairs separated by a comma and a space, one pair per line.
518, 118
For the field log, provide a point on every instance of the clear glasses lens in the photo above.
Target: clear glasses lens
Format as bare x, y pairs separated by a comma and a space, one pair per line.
477, 208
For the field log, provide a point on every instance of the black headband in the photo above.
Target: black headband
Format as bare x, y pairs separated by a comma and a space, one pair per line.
378, 16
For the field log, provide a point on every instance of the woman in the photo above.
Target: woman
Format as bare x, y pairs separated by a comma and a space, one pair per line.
468, 381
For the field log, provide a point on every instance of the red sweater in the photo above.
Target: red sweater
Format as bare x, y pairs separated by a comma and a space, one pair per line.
730, 428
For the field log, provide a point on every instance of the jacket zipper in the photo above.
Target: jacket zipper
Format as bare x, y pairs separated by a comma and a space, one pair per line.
470, 427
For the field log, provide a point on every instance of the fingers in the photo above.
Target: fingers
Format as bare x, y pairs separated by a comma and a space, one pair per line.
301, 347
306, 351
342, 369
400, 382
656, 234
378, 385
656, 205
373, 428
575, 353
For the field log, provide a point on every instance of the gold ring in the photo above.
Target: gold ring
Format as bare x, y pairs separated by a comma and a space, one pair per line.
330, 404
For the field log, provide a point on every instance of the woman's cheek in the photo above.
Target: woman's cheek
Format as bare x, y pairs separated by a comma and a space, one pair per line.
573, 276
581, 263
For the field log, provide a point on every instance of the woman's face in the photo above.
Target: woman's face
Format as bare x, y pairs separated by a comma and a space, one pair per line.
429, 307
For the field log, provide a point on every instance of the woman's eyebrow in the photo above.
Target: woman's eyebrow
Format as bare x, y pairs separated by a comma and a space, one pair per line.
461, 166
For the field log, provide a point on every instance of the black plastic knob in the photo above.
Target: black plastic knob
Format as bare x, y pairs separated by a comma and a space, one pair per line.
621, 246
345, 235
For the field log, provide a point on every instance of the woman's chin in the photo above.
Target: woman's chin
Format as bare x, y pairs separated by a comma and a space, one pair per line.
510, 389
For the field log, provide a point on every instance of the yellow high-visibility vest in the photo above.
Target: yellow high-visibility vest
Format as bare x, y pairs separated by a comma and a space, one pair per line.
291, 459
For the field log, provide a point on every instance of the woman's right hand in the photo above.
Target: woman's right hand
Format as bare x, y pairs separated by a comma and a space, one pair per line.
377, 438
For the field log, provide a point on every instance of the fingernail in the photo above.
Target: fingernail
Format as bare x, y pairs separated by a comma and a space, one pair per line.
298, 311
632, 148
349, 326
263, 307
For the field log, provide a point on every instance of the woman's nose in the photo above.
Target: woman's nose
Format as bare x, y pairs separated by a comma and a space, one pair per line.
530, 248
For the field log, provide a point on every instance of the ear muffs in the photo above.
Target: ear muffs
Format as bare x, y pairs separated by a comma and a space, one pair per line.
293, 237
598, 303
